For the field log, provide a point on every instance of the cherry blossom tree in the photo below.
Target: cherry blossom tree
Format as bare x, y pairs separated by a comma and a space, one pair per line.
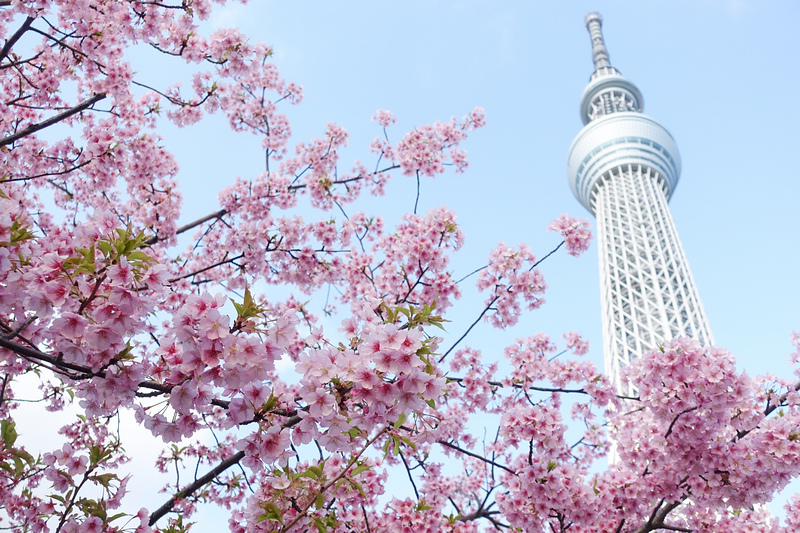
111, 303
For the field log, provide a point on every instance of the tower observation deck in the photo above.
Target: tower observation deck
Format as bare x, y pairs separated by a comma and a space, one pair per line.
623, 167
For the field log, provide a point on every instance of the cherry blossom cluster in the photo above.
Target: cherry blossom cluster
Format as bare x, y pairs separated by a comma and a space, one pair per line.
575, 231
711, 428
426, 150
214, 335
509, 276
576, 343
416, 259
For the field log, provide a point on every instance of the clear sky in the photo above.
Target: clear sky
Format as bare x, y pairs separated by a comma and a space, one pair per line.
723, 76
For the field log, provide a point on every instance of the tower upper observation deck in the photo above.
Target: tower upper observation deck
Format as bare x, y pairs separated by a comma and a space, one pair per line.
615, 129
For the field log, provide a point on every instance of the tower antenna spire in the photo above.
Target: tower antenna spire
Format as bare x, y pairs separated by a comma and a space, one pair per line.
594, 23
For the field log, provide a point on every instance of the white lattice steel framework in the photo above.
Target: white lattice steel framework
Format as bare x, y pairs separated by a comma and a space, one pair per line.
623, 167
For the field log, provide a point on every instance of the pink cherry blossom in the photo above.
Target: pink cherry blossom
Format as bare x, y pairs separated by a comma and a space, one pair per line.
575, 232
218, 334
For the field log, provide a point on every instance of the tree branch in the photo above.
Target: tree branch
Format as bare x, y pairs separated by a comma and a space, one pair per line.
32, 353
674, 420
490, 304
33, 128
657, 519
462, 337
17, 35
475, 455
196, 484
222, 212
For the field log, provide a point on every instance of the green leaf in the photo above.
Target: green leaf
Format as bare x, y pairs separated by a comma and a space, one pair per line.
320, 523
358, 469
313, 472
271, 512
271, 403
18, 466
93, 508
8, 432
408, 443
105, 247
422, 506
95, 453
105, 479
139, 256
306, 473
358, 487
115, 517
400, 420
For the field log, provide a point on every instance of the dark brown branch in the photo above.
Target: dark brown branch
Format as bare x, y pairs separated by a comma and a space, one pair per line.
50, 175
410, 476
9, 336
657, 519
33, 128
490, 304
84, 372
484, 267
31, 353
500, 385
482, 513
205, 269
196, 484
61, 42
222, 212
475, 455
462, 337
17, 35
674, 420
3, 389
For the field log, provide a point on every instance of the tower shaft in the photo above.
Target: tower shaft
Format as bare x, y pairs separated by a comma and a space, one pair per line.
623, 167
648, 294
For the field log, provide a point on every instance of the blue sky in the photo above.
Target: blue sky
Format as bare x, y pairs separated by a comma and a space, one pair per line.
721, 76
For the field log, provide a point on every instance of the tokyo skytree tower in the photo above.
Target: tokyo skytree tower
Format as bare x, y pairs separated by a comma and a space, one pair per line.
623, 167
